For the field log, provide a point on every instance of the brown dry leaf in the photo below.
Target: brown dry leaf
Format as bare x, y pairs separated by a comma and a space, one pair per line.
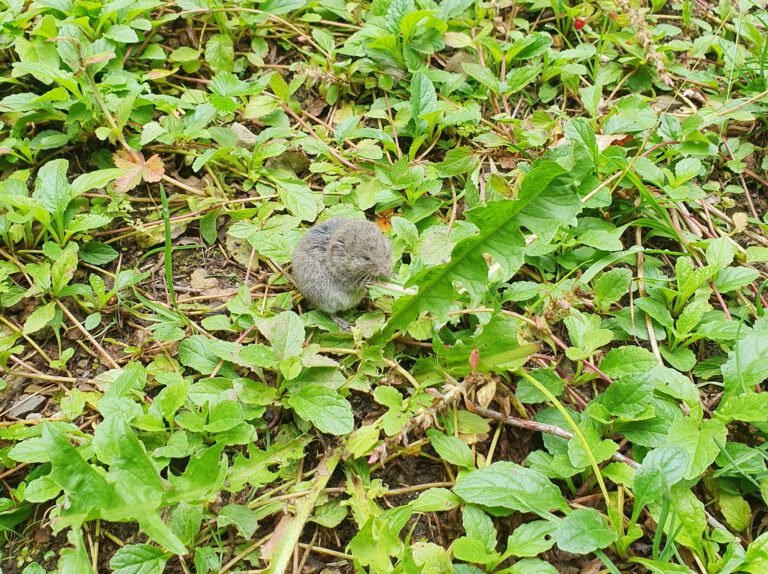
384, 219
199, 280
486, 393
606, 140
137, 168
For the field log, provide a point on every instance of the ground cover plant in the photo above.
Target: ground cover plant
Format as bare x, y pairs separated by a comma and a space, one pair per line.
562, 374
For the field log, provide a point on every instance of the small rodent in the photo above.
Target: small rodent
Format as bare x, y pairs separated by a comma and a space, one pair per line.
337, 259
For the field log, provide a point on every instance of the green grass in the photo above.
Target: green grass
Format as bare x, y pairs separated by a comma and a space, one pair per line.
566, 365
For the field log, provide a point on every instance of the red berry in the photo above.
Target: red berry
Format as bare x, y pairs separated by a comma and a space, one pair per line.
579, 23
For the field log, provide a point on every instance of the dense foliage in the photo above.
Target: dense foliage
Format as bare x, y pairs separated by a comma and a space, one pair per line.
563, 373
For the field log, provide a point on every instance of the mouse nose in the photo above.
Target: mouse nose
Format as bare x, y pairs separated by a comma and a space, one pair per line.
384, 270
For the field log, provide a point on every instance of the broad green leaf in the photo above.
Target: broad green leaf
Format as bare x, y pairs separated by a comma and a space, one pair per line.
749, 407
746, 366
324, 408
701, 441
95, 180
611, 286
451, 449
531, 538
240, 516
734, 278
63, 269
139, 559
52, 189
436, 500
423, 98
457, 161
626, 360
285, 332
756, 558
661, 469
508, 485
39, 318
583, 531
220, 53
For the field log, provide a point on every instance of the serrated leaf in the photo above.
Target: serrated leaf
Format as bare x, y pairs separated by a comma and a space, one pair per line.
135, 169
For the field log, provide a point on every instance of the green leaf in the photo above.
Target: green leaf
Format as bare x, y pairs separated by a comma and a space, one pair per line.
750, 407
95, 180
457, 161
139, 559
220, 53
240, 516
285, 332
97, 253
483, 75
52, 189
39, 318
203, 477
657, 311
258, 356
661, 469
546, 200
746, 366
204, 354
757, 254
323, 407
736, 511
626, 360
63, 269
702, 442
720, 252
298, 199
508, 485
86, 222
583, 531
756, 558
611, 286
734, 278
451, 449
627, 397
472, 550
528, 394
532, 538
423, 98
436, 500
122, 33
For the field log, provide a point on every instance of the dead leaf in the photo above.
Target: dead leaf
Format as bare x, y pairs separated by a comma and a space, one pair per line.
137, 168
740, 220
384, 219
200, 280
607, 140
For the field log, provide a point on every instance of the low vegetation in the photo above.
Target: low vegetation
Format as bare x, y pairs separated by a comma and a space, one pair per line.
563, 374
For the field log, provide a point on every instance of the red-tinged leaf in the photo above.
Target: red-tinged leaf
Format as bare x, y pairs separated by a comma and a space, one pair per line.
154, 169
100, 57
474, 359
137, 168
